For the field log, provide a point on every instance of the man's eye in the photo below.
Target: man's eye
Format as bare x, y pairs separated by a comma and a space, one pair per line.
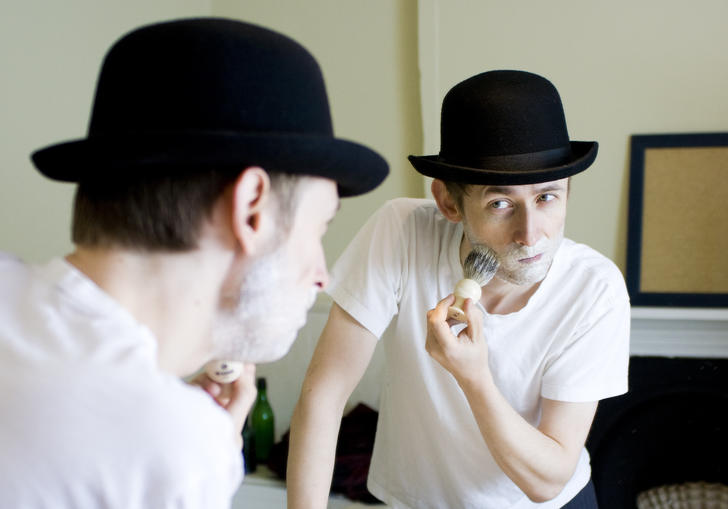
547, 197
499, 204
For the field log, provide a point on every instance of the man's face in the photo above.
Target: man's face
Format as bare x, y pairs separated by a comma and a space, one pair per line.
281, 284
523, 224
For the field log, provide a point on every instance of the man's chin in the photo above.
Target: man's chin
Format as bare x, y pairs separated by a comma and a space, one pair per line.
522, 278
268, 352
266, 357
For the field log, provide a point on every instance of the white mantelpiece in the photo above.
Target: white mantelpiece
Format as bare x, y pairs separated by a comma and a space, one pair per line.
679, 332
664, 332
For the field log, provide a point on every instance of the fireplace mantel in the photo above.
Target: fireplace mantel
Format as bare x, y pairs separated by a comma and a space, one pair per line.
679, 332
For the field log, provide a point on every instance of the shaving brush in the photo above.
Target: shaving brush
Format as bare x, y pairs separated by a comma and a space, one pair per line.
224, 372
479, 268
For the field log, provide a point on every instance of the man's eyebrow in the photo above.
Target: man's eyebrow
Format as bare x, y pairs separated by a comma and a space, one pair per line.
551, 187
497, 190
508, 190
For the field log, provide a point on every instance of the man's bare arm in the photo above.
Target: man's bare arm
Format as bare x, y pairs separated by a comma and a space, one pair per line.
339, 362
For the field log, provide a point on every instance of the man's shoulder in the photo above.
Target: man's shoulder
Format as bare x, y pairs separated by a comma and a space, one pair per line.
584, 266
404, 207
20, 276
8, 260
12, 269
576, 254
400, 218
18, 289
413, 214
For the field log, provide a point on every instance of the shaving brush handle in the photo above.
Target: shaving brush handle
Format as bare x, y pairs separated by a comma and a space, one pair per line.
224, 372
465, 289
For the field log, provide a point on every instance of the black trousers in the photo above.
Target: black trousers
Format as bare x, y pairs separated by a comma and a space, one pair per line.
585, 499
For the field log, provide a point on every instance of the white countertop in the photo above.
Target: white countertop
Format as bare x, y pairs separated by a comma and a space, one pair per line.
263, 490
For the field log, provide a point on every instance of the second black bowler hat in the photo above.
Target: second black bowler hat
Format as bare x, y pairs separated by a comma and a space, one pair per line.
505, 128
199, 93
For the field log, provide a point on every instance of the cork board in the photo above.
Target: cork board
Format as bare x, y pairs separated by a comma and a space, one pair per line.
678, 221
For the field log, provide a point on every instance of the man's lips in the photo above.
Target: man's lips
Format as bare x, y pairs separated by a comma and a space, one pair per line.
532, 259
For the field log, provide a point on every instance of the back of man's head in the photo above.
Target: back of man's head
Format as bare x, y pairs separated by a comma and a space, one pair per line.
181, 109
163, 213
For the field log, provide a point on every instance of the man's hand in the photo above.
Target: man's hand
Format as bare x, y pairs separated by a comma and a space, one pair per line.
464, 355
236, 397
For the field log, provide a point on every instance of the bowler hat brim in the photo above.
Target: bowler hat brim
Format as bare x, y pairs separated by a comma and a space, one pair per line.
583, 154
355, 168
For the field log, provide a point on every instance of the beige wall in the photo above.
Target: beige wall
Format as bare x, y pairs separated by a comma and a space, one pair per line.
50, 54
623, 67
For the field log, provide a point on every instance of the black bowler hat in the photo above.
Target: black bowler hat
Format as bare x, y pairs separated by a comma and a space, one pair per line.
200, 93
505, 128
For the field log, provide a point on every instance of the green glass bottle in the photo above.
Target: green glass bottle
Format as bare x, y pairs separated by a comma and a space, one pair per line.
263, 424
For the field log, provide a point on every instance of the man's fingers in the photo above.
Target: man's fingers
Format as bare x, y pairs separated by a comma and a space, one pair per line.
242, 394
437, 317
474, 320
438, 325
439, 312
207, 384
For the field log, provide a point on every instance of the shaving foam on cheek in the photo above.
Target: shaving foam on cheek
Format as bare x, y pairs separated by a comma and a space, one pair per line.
224, 372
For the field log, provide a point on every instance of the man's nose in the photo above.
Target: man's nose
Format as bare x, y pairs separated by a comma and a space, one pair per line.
323, 281
527, 227
322, 274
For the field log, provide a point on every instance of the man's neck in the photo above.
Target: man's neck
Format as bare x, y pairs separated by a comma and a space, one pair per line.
173, 294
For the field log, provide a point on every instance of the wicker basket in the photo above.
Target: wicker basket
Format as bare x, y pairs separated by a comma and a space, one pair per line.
692, 495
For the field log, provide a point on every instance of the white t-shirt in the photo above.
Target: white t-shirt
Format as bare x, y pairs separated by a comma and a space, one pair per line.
569, 343
88, 420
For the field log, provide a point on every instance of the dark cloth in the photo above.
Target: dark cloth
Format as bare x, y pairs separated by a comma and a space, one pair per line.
353, 454
585, 499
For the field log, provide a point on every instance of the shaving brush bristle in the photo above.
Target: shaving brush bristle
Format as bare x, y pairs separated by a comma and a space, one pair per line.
480, 265
479, 268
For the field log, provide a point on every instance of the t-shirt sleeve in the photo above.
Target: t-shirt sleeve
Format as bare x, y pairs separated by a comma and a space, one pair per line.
594, 364
366, 280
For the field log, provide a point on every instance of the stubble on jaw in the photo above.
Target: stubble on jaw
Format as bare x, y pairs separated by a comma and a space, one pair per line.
515, 272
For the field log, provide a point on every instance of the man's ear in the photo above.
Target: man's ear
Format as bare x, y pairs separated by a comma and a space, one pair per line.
445, 202
251, 208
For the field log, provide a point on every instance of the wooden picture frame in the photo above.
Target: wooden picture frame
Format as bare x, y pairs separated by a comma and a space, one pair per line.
677, 243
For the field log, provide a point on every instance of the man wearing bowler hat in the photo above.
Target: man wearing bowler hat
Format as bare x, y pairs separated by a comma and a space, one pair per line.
207, 179
493, 413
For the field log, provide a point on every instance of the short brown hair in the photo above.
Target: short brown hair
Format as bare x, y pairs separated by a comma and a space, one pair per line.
160, 213
457, 191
